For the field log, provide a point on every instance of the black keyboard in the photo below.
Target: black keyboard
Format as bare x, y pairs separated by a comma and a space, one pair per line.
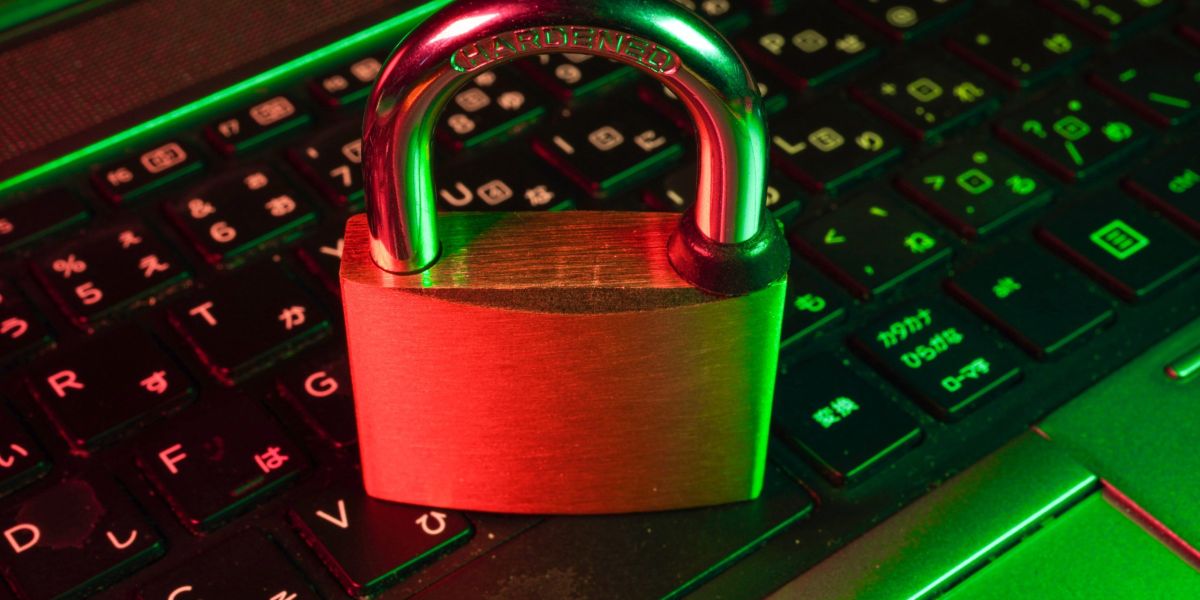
992, 205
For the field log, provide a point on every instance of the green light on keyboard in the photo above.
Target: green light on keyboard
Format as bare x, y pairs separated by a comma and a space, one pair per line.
1119, 239
401, 22
966, 563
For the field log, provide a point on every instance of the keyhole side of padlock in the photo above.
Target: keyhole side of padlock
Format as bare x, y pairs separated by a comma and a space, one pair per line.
727, 243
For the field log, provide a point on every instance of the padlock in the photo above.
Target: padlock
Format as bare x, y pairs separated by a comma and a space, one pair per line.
564, 362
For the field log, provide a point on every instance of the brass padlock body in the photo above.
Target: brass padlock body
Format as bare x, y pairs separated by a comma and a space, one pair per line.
557, 363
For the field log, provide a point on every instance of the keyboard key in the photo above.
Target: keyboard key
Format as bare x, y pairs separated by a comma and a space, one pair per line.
813, 304
1019, 46
678, 191
137, 176
939, 355
247, 565
607, 152
925, 98
830, 143
1120, 245
1111, 19
1189, 25
70, 539
1157, 78
260, 123
974, 189
505, 179
216, 460
772, 90
240, 214
110, 269
1171, 184
321, 255
319, 388
26, 221
342, 525
571, 77
333, 163
348, 84
101, 389
726, 15
235, 333
870, 244
496, 106
22, 329
1076, 136
21, 458
904, 20
809, 48
1039, 302
845, 426
658, 555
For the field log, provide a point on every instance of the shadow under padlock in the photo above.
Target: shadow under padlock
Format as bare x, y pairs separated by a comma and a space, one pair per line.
577, 362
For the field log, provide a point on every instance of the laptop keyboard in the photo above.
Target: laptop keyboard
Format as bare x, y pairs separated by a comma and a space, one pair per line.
992, 204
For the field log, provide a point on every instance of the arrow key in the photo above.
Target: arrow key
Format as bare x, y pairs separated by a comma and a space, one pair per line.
342, 526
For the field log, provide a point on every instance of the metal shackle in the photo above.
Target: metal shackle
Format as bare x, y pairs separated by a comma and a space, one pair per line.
659, 37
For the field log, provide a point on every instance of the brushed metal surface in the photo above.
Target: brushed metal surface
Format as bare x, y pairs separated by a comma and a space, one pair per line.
555, 363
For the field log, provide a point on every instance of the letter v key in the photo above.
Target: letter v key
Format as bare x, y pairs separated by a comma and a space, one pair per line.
342, 521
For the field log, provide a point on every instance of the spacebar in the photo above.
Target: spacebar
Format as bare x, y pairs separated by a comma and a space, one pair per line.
648, 555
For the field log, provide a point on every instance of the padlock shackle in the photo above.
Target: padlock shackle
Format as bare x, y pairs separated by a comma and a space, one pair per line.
467, 37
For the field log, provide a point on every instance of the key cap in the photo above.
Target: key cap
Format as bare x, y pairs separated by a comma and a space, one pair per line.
939, 355
22, 329
1020, 47
813, 304
319, 389
1038, 302
725, 15
975, 189
136, 176
496, 106
26, 221
1120, 245
332, 162
504, 179
927, 98
808, 48
830, 143
870, 244
255, 125
772, 90
1111, 19
570, 77
321, 255
74, 537
21, 458
607, 152
110, 269
348, 84
844, 425
905, 20
341, 524
1074, 135
1157, 78
235, 333
1171, 184
646, 549
215, 461
247, 565
240, 214
97, 391
678, 191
